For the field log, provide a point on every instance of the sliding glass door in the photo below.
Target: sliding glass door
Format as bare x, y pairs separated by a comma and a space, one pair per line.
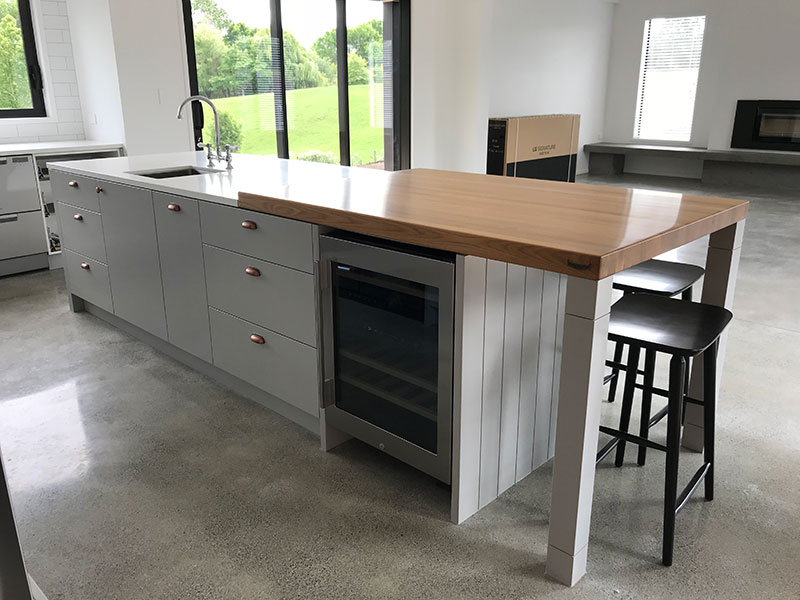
304, 79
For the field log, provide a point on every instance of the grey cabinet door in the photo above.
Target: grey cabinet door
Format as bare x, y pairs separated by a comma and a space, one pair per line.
75, 190
274, 363
132, 249
82, 231
88, 279
182, 274
18, 184
275, 297
281, 241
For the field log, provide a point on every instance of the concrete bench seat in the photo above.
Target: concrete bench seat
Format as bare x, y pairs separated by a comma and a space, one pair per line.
737, 166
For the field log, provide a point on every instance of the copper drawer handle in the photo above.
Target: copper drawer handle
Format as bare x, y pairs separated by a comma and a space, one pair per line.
78, 217
249, 225
73, 184
174, 207
98, 189
85, 266
257, 339
253, 272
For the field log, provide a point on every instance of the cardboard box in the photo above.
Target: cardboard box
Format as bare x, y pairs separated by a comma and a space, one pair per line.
540, 147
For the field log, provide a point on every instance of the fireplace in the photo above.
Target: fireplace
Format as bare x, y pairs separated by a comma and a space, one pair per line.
767, 125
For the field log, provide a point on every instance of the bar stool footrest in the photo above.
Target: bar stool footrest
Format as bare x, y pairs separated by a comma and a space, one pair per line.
692, 486
633, 439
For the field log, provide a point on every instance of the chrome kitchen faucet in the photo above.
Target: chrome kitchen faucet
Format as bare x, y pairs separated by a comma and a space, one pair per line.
228, 148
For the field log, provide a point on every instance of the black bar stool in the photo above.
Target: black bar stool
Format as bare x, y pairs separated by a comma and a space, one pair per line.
653, 276
684, 330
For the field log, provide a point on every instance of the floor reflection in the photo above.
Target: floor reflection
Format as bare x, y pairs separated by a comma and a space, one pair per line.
43, 439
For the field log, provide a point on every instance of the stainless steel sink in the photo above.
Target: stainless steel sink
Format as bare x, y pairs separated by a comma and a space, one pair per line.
186, 171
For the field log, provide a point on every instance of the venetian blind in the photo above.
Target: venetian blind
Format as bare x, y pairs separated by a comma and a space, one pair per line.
671, 53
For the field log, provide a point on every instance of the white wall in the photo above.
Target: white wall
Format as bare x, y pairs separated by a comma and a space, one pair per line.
62, 99
131, 64
750, 52
552, 57
96, 64
479, 58
450, 83
153, 76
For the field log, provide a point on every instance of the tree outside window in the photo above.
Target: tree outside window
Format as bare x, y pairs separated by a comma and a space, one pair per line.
15, 90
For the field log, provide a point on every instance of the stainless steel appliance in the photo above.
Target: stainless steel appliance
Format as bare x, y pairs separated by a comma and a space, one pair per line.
22, 240
388, 347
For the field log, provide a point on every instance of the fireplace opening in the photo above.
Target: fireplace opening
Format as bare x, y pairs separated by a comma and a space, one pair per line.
767, 125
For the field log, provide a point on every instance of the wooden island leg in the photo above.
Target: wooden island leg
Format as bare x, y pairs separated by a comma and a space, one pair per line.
722, 266
588, 306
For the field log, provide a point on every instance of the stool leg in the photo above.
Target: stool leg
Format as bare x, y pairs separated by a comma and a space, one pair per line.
676, 368
631, 372
612, 385
688, 295
709, 416
647, 400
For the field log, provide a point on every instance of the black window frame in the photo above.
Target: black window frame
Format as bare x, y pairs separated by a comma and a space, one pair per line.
397, 29
34, 71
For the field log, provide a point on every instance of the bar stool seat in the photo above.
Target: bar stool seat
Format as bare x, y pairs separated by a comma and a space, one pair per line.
659, 277
666, 325
683, 330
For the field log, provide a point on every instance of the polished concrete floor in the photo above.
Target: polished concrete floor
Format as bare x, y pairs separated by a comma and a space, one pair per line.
133, 477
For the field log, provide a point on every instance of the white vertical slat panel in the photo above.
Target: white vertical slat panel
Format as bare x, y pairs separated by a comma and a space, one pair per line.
494, 328
512, 362
534, 280
467, 385
547, 355
562, 305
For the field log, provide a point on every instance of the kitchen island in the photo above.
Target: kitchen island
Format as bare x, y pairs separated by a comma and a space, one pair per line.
533, 271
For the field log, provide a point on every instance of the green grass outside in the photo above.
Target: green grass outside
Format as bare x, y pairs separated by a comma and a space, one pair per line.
313, 121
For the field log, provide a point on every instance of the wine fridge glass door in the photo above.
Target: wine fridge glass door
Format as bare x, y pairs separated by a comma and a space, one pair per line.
386, 354
391, 342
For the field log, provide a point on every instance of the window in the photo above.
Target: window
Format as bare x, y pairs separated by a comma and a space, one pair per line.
20, 77
319, 80
671, 54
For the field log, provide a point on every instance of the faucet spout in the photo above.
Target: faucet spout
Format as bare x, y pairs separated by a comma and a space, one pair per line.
216, 118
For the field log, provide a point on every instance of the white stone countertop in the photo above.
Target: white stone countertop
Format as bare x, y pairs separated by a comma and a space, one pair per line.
55, 148
249, 173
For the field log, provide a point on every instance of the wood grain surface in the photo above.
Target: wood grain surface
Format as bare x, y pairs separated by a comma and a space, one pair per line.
577, 229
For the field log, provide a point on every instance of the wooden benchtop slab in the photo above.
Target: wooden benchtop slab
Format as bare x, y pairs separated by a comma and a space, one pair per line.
584, 230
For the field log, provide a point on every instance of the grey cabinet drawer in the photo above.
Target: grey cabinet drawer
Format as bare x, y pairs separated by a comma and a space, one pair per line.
182, 273
129, 226
75, 190
88, 279
18, 187
281, 241
280, 366
275, 297
82, 231
22, 234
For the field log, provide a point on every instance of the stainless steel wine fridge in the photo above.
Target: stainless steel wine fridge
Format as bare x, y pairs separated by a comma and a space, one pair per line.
388, 347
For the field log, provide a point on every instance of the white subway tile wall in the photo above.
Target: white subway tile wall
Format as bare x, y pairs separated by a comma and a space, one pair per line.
64, 105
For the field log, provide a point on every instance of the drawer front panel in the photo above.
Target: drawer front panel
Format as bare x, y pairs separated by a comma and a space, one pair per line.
82, 193
18, 186
82, 231
92, 283
22, 234
277, 240
280, 366
275, 297
182, 274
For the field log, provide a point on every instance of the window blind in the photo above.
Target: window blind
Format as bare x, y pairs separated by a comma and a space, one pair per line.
671, 53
